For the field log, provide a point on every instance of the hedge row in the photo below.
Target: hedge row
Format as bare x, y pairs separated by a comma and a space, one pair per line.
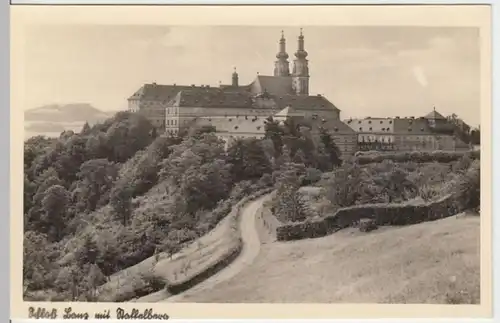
415, 156
382, 214
205, 273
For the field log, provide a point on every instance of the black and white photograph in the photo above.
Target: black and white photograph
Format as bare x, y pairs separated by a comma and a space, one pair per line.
327, 164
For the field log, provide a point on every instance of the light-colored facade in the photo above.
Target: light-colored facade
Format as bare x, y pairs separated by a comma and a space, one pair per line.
427, 133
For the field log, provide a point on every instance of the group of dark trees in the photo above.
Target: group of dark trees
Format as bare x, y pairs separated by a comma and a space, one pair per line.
464, 132
101, 200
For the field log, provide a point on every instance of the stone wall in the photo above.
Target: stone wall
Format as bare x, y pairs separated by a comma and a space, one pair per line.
382, 214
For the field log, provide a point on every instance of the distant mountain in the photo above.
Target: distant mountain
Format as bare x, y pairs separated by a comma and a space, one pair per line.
76, 112
51, 120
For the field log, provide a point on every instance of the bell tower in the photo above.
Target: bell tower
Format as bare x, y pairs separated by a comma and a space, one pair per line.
235, 79
281, 66
300, 82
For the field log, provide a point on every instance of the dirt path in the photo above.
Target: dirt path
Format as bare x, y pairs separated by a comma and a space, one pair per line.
251, 248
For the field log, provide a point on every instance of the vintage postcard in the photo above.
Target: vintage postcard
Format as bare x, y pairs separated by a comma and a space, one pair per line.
251, 162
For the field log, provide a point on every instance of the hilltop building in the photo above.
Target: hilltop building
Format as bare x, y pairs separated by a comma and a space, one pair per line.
239, 111
427, 133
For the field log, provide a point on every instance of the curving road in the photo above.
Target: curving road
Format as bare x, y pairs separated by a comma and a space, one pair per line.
250, 250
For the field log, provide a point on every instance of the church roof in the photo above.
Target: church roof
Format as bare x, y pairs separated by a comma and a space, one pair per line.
304, 102
435, 115
162, 92
212, 97
277, 85
158, 92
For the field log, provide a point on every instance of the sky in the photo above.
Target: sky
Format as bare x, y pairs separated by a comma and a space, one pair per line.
365, 71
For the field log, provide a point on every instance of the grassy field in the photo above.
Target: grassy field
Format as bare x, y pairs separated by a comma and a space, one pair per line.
433, 262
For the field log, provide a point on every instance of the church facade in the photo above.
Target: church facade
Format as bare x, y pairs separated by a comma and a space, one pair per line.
239, 111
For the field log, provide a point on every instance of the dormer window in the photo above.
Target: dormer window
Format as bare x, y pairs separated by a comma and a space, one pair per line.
371, 129
381, 121
370, 122
360, 128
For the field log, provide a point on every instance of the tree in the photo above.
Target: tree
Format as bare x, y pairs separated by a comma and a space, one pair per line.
476, 136
54, 205
88, 253
92, 281
71, 157
289, 205
39, 263
330, 148
469, 187
28, 192
121, 202
248, 160
274, 132
202, 187
343, 189
198, 132
85, 129
129, 134
96, 178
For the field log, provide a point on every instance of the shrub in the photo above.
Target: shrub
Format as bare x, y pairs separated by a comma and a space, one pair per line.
418, 157
312, 176
367, 225
469, 187
428, 193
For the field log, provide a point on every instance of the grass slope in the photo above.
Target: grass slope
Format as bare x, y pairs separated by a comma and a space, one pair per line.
433, 262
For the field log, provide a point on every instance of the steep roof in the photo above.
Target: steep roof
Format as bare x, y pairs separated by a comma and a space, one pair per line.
212, 97
435, 115
277, 85
412, 126
158, 92
161, 92
333, 125
304, 102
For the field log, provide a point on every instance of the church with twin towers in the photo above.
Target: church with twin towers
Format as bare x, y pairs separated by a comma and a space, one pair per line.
300, 72
239, 111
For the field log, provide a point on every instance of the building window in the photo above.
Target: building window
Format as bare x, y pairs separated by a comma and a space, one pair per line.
370, 128
360, 129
